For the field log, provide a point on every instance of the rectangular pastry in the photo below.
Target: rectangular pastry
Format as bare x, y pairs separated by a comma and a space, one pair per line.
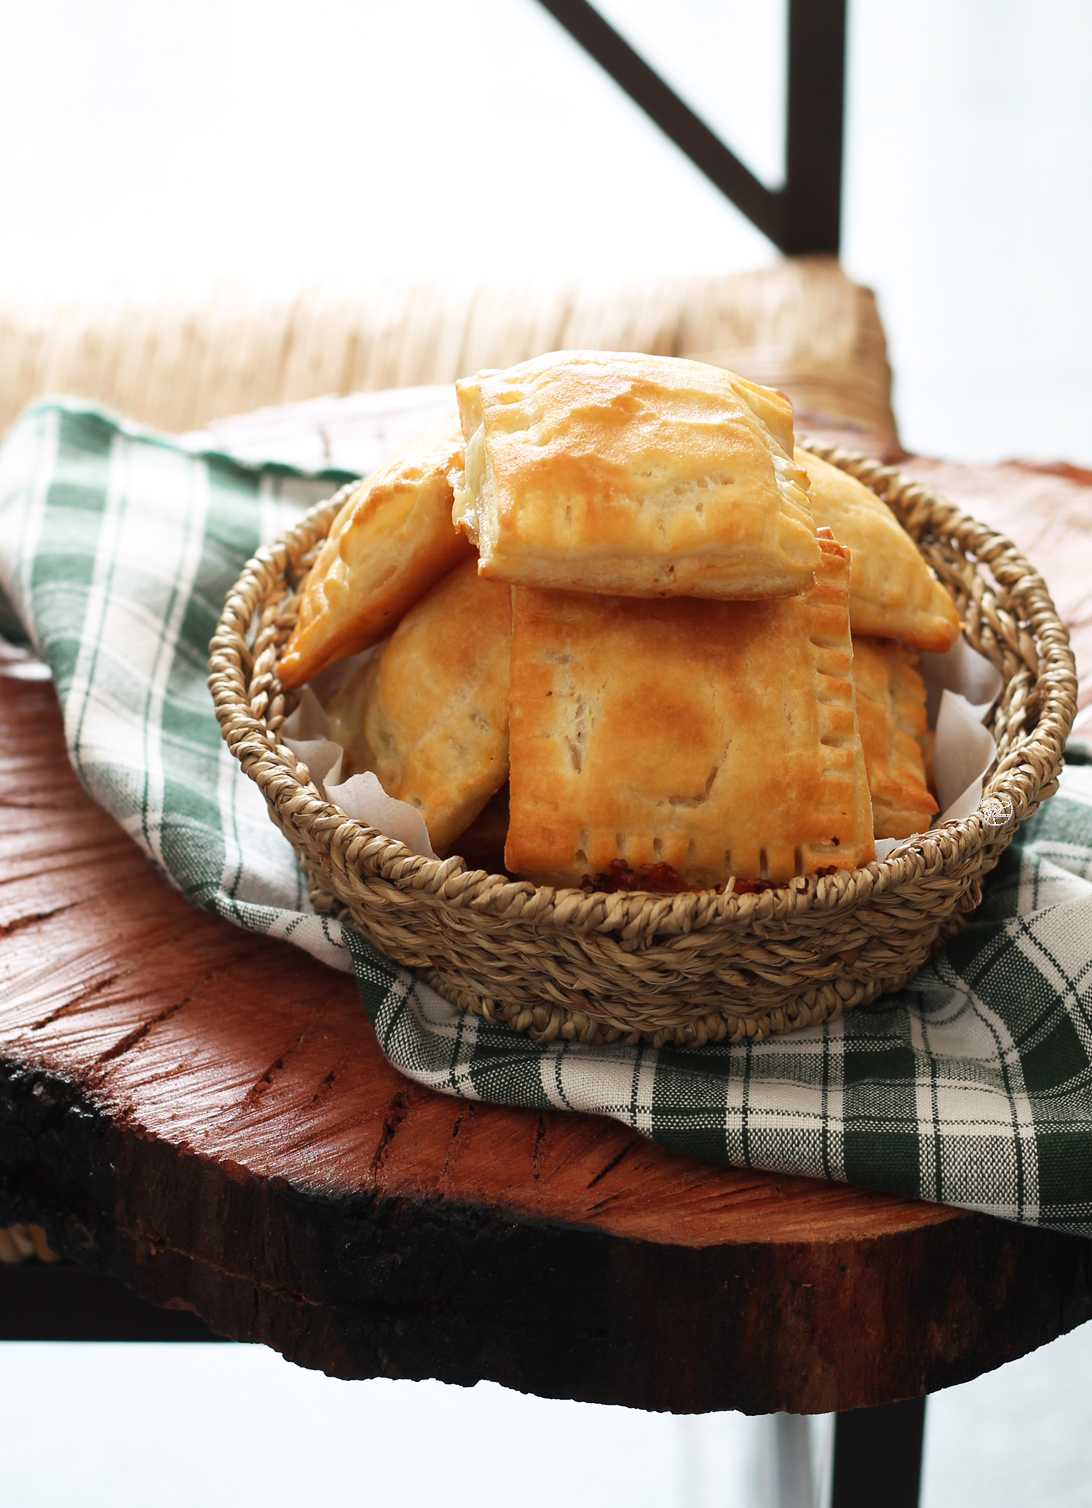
718, 738
429, 712
891, 715
635, 476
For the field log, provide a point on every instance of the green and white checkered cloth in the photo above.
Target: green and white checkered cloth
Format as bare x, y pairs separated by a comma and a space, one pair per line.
973, 1087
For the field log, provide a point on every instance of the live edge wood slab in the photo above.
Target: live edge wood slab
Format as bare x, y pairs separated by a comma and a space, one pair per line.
207, 1117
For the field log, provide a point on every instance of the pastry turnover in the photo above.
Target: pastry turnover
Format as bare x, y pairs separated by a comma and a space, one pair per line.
636, 476
891, 715
891, 592
717, 737
429, 712
390, 542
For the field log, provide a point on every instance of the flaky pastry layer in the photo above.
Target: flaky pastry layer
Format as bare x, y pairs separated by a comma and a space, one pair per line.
719, 738
892, 593
633, 475
391, 541
429, 712
891, 716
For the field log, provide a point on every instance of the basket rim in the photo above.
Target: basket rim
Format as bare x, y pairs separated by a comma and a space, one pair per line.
1025, 775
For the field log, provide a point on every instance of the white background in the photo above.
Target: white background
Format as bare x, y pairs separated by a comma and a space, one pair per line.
148, 140
129, 1426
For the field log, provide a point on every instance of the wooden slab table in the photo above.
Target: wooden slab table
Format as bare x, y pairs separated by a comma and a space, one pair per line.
206, 1116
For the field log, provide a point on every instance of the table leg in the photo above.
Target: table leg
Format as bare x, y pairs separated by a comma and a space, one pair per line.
877, 1456
787, 1480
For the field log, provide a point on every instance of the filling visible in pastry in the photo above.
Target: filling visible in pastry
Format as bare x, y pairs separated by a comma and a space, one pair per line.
891, 716
892, 592
482, 844
391, 541
716, 738
637, 476
428, 713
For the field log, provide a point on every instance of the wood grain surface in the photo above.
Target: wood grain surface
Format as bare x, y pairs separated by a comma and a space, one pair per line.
207, 1116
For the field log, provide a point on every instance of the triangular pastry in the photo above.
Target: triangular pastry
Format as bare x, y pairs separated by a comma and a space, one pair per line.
717, 738
640, 476
892, 592
391, 541
428, 713
891, 715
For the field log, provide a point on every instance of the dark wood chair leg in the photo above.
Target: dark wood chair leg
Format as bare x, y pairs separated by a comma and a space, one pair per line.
879, 1445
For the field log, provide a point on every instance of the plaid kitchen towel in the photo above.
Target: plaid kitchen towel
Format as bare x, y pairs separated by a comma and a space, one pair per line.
973, 1087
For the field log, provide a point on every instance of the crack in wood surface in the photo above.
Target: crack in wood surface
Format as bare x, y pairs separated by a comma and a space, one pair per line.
540, 1132
396, 1113
10, 928
615, 1160
130, 1040
160, 1244
466, 1112
327, 1084
604, 1204
71, 1007
264, 1081
28, 803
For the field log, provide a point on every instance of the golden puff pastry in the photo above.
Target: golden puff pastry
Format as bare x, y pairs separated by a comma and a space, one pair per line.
892, 593
719, 738
634, 476
429, 712
391, 541
891, 715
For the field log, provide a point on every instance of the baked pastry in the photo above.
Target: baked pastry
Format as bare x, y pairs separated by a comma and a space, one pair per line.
636, 476
892, 592
718, 738
891, 716
391, 541
428, 713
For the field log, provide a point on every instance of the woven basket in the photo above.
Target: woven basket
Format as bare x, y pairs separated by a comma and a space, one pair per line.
701, 966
